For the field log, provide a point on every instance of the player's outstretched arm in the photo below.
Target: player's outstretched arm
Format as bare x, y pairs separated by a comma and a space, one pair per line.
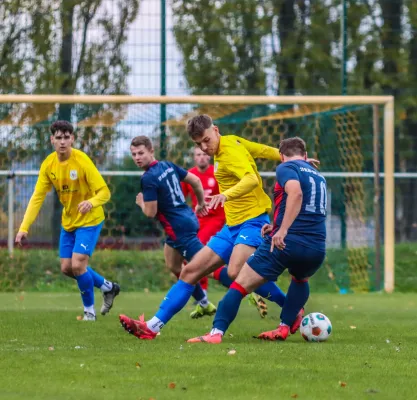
292, 209
195, 182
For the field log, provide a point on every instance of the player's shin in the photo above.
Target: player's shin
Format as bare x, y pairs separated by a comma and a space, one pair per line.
173, 302
86, 286
271, 292
228, 308
296, 298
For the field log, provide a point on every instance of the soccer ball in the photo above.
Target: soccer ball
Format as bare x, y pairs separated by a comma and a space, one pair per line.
315, 327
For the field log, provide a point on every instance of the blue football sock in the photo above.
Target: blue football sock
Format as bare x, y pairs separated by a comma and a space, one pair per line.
228, 308
175, 300
97, 278
86, 286
297, 297
198, 293
222, 276
271, 292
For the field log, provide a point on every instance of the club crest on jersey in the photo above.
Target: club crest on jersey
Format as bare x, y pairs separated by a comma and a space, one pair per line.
211, 182
73, 174
216, 166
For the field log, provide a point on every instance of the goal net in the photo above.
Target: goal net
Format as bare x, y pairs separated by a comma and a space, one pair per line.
351, 136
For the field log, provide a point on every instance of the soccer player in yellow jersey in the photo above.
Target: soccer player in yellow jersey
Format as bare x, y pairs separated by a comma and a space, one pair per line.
246, 206
82, 192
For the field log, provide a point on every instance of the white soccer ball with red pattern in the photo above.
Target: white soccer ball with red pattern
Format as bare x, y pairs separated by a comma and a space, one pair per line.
315, 327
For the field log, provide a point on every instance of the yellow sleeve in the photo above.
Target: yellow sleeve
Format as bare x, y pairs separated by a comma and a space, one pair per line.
258, 150
102, 197
244, 186
93, 177
43, 186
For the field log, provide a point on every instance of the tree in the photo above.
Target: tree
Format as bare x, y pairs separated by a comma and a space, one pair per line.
71, 46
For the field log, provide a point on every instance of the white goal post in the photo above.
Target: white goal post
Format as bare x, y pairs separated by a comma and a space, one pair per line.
388, 127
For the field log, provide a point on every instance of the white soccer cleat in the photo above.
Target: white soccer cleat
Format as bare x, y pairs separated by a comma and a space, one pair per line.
89, 317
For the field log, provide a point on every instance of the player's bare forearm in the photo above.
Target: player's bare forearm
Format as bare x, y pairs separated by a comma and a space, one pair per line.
292, 209
195, 182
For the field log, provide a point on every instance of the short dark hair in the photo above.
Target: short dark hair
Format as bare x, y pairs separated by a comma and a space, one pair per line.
294, 146
142, 141
63, 126
198, 124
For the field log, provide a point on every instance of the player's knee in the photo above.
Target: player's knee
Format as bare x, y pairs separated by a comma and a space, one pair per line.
79, 264
66, 268
188, 274
232, 272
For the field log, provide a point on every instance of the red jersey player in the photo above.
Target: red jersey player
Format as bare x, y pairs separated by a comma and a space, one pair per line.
214, 221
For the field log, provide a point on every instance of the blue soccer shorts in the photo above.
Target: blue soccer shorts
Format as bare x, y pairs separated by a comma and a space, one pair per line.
81, 240
301, 261
187, 245
248, 232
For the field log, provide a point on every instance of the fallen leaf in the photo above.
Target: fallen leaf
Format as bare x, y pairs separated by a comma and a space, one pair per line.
77, 347
388, 341
79, 317
352, 327
397, 349
172, 385
231, 352
50, 348
294, 396
342, 384
230, 335
138, 366
350, 307
82, 365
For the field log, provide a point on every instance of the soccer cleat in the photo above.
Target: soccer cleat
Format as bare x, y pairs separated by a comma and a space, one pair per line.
207, 338
296, 324
137, 328
281, 333
89, 316
201, 311
259, 303
108, 298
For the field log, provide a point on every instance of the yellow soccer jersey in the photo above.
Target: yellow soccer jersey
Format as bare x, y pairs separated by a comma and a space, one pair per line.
75, 180
235, 159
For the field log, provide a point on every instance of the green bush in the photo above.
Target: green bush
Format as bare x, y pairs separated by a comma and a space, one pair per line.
39, 270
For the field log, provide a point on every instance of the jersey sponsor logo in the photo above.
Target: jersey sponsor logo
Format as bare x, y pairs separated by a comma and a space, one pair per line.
211, 182
216, 166
73, 175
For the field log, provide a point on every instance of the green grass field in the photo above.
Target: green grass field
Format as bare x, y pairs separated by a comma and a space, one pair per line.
46, 353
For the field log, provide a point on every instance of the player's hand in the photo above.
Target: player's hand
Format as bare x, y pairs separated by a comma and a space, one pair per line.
84, 207
20, 237
139, 200
267, 228
217, 200
201, 210
315, 163
278, 240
